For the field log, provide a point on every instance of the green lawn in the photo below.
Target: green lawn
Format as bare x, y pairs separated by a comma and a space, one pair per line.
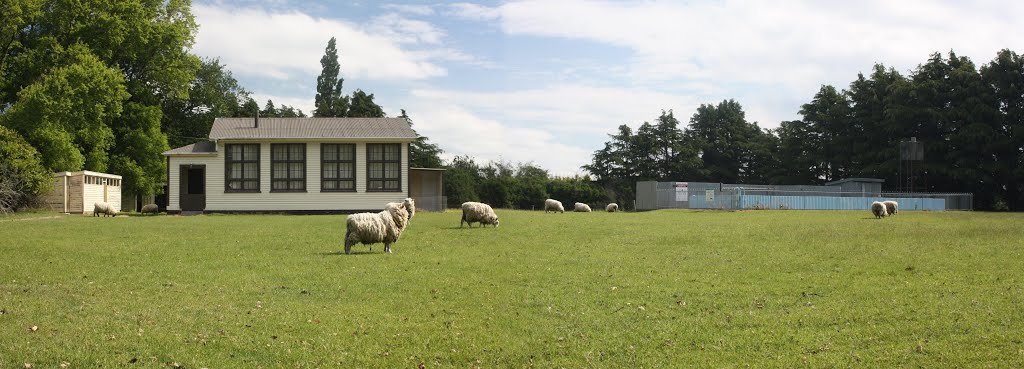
597, 290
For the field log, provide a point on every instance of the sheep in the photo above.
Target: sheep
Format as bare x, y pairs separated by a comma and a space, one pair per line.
103, 208
478, 212
369, 228
891, 207
611, 208
878, 209
150, 209
410, 206
582, 208
553, 205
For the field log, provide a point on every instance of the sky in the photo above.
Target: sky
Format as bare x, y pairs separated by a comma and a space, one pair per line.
546, 81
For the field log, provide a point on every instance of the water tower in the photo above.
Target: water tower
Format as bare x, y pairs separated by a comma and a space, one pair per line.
910, 151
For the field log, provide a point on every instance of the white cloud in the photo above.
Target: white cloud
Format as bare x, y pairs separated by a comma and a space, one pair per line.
782, 48
461, 132
289, 44
405, 31
473, 11
410, 9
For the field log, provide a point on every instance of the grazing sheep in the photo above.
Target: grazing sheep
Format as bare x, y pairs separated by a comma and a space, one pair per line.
878, 209
409, 204
369, 228
150, 209
891, 207
611, 208
103, 208
553, 205
478, 212
582, 208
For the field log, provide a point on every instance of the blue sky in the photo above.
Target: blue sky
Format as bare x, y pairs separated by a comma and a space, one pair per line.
546, 81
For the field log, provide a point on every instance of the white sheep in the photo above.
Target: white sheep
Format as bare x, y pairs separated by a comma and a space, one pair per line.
150, 209
478, 212
581, 207
369, 228
410, 206
611, 208
553, 205
878, 209
891, 207
103, 208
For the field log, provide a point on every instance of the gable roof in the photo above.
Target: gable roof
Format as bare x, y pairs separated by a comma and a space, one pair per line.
271, 128
198, 148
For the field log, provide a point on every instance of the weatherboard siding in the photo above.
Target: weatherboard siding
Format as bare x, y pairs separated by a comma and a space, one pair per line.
311, 200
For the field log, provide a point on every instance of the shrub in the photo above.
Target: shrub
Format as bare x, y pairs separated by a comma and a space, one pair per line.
22, 175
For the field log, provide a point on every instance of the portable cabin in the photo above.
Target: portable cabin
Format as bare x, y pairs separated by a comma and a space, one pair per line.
78, 192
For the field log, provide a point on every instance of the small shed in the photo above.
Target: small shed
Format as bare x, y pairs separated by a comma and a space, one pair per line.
868, 186
77, 192
426, 186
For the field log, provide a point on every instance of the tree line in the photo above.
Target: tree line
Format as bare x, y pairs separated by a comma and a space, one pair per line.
970, 121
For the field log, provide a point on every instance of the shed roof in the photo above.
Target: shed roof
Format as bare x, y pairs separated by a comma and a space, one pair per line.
865, 180
312, 128
198, 148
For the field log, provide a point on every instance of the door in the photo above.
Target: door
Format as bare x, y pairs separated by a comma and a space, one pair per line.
192, 188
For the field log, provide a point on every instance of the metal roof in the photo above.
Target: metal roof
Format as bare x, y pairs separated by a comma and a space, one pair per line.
311, 128
198, 148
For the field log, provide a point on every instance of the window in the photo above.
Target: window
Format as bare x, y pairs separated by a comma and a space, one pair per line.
242, 168
288, 167
338, 163
384, 167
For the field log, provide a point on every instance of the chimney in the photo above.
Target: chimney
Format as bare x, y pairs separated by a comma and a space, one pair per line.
256, 122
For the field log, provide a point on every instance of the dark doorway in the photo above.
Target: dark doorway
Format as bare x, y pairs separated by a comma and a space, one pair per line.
193, 188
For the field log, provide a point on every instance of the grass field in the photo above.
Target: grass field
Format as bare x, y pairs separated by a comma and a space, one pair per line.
598, 290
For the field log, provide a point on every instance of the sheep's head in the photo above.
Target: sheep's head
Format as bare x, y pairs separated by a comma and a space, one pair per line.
493, 219
410, 206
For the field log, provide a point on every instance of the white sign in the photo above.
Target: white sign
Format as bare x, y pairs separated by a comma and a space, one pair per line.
709, 195
682, 191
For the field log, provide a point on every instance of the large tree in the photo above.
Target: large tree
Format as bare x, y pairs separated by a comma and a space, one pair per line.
213, 93
145, 41
330, 102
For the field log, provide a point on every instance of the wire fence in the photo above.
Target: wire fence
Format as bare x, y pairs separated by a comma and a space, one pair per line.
736, 198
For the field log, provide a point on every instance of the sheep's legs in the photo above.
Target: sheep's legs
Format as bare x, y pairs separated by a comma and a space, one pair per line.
387, 248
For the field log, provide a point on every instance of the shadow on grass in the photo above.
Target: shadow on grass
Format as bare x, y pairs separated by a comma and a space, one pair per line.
354, 253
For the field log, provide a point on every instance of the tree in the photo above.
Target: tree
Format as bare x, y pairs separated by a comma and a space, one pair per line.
364, 107
330, 102
269, 110
422, 153
144, 41
213, 93
728, 145
22, 175
828, 121
67, 114
1005, 75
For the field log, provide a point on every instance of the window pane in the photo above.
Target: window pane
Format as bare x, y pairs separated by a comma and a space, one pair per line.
348, 152
347, 185
278, 152
236, 171
296, 170
346, 170
251, 152
330, 170
391, 170
374, 185
251, 170
392, 152
251, 185
330, 152
296, 152
234, 152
